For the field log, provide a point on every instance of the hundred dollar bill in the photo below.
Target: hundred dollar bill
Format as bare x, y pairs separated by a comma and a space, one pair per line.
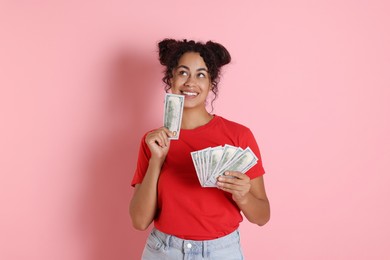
228, 152
203, 162
244, 162
215, 157
173, 113
195, 159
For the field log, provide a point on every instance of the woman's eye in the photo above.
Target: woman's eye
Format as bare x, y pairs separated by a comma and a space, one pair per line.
201, 75
183, 73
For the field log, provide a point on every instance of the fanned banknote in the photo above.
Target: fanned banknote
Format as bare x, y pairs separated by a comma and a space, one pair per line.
212, 162
173, 113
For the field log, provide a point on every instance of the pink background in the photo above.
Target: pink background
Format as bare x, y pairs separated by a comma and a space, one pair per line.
80, 83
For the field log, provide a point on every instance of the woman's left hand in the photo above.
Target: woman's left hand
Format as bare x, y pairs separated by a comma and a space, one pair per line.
236, 183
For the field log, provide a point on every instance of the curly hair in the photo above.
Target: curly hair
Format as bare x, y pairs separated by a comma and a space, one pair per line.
214, 55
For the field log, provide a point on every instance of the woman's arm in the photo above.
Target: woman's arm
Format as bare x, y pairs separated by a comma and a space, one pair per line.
144, 202
249, 195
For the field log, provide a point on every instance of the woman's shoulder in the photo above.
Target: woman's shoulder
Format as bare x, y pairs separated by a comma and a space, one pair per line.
233, 125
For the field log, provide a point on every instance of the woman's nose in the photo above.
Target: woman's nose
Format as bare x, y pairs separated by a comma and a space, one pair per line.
190, 82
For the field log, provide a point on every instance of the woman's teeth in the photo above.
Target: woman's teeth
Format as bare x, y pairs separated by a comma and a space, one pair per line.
189, 93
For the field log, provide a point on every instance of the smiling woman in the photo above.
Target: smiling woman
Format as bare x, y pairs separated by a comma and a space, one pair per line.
189, 219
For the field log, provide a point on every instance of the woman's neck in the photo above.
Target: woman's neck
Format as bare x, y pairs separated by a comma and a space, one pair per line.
193, 118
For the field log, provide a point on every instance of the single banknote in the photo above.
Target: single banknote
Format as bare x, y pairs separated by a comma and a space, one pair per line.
173, 113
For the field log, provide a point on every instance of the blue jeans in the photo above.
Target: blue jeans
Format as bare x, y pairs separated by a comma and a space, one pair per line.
160, 246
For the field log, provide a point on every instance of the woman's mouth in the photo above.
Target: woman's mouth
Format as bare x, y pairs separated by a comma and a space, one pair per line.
189, 94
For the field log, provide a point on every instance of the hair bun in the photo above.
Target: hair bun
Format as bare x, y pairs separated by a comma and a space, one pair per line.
221, 53
165, 48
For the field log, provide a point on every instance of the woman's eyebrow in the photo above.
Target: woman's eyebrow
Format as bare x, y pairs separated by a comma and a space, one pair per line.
183, 66
187, 68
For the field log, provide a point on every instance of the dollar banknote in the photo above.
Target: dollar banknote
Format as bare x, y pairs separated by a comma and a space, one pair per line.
241, 163
173, 113
212, 162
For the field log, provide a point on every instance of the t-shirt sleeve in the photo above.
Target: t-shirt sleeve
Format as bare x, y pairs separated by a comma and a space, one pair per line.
249, 140
142, 162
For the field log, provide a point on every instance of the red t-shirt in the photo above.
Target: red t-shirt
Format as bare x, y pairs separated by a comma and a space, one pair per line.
185, 209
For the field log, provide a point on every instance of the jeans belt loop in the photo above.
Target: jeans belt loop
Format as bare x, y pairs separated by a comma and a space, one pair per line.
167, 242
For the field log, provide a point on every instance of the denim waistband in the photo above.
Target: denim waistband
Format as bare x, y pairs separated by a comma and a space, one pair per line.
197, 246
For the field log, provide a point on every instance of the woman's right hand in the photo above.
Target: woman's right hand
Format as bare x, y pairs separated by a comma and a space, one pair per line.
158, 143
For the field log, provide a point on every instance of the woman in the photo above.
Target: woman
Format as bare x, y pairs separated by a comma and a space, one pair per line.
191, 221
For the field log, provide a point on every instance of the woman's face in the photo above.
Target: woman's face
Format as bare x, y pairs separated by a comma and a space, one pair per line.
191, 79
